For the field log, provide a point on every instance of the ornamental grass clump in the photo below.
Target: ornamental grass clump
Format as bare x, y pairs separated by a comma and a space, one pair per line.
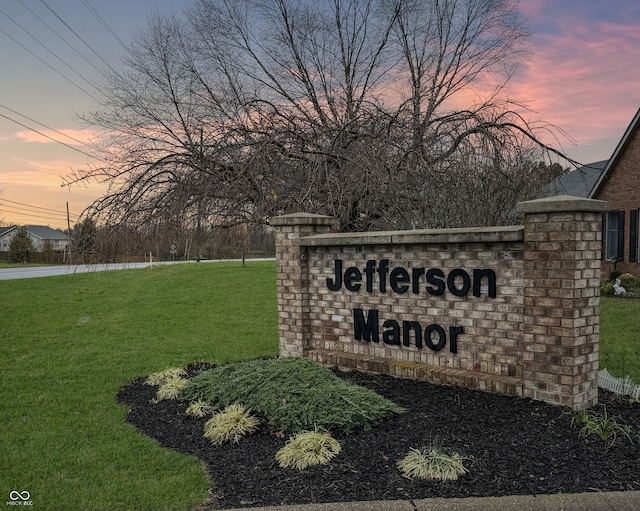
432, 463
600, 425
163, 376
293, 394
308, 448
199, 409
171, 388
230, 425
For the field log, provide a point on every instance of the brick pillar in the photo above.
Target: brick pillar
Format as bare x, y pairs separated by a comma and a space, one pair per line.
292, 276
562, 257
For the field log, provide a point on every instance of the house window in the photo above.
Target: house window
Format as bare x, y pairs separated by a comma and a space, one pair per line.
615, 235
633, 235
637, 235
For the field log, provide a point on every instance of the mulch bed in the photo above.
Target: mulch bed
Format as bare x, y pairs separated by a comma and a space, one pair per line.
515, 446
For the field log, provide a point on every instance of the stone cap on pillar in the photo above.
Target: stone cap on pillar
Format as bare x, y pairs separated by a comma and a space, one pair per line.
561, 203
302, 219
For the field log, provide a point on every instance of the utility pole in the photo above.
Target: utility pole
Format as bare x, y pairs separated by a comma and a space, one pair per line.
69, 233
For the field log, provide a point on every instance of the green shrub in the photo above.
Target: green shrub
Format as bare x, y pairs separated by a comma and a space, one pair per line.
614, 274
230, 425
606, 288
293, 394
630, 283
432, 463
308, 448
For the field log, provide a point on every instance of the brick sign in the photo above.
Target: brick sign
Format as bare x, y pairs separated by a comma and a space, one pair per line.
512, 310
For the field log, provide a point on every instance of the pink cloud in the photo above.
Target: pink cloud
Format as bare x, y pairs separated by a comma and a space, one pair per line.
583, 79
50, 136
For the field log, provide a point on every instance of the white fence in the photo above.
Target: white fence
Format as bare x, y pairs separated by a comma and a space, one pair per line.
624, 386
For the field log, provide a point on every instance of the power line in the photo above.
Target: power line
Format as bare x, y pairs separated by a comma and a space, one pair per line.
45, 47
49, 65
104, 23
78, 36
30, 215
30, 211
47, 136
45, 126
33, 207
61, 38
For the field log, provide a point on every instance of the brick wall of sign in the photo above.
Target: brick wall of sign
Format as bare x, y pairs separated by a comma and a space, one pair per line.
512, 310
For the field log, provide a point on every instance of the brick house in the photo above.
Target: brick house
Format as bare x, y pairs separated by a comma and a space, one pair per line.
617, 181
619, 184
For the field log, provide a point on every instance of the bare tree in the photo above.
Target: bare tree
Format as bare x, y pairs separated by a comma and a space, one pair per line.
355, 108
158, 136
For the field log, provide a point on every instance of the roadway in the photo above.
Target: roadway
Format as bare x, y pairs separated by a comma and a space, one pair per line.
52, 271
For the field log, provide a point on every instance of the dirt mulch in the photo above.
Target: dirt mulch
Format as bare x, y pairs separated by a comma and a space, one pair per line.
515, 446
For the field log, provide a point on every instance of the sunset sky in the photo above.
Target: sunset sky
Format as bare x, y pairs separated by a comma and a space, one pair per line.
582, 76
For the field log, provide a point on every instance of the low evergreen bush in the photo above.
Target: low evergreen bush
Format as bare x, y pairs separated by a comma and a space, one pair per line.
293, 394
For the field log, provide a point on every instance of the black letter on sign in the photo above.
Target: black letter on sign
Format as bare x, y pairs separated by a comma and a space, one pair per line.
451, 282
366, 330
454, 331
391, 336
368, 271
382, 270
399, 276
351, 275
427, 337
407, 326
336, 284
434, 276
415, 280
491, 282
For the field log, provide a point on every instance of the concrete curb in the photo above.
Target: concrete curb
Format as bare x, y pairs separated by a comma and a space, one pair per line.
596, 501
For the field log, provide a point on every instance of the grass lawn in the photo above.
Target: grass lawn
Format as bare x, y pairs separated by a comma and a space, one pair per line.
69, 343
620, 337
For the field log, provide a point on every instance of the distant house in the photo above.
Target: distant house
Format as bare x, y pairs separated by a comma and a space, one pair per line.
617, 181
5, 238
40, 235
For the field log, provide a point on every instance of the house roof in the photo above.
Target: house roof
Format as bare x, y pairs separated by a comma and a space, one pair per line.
4, 230
619, 151
578, 182
46, 233
42, 232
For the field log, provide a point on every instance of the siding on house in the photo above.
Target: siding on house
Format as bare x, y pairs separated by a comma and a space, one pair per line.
40, 235
5, 238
